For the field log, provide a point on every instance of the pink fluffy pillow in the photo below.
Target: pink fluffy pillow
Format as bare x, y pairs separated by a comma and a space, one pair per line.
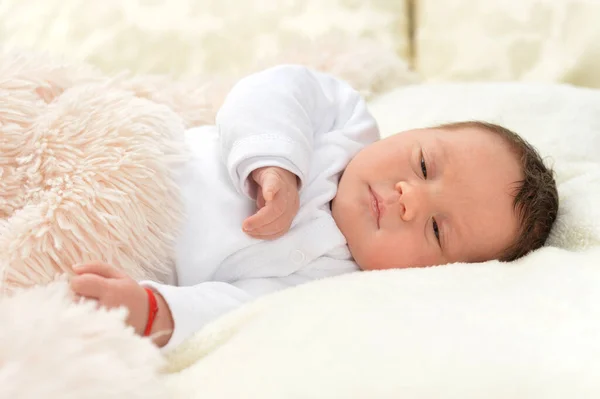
87, 172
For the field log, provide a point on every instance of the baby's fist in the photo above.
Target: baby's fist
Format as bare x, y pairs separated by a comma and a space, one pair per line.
277, 202
112, 288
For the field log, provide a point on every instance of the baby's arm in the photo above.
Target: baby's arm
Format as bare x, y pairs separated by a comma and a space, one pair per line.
277, 117
274, 118
112, 288
182, 311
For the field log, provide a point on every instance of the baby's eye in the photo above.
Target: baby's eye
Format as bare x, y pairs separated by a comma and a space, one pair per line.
423, 167
436, 230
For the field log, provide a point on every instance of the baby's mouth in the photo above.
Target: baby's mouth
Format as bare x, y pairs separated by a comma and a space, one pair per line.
375, 206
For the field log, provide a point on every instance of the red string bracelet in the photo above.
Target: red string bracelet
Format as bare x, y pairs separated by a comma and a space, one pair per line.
152, 311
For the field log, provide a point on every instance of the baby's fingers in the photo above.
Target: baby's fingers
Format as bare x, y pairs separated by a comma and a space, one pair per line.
99, 268
270, 186
89, 286
265, 215
260, 200
273, 230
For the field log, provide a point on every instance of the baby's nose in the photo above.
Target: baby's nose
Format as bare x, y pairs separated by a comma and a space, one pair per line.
407, 201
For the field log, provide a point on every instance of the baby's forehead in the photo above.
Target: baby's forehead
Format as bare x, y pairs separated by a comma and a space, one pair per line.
456, 132
476, 144
483, 229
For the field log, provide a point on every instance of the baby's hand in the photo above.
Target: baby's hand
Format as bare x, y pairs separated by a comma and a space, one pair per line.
277, 201
112, 288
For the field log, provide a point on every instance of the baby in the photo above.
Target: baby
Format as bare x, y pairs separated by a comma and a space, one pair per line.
293, 184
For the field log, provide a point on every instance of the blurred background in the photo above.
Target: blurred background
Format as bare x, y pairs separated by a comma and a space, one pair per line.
440, 40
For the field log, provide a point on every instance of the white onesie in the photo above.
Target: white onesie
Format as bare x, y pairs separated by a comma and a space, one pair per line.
289, 116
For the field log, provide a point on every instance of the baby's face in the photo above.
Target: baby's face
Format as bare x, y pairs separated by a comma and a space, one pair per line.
429, 197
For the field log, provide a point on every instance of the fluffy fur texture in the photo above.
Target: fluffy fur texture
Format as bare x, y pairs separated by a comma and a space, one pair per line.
53, 348
87, 173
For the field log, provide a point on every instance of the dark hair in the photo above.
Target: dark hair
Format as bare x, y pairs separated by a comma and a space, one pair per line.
536, 198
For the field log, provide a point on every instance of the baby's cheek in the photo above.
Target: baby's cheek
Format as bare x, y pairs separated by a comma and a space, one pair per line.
381, 253
401, 251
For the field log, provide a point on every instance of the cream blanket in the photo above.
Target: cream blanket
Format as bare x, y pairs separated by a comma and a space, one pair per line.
523, 331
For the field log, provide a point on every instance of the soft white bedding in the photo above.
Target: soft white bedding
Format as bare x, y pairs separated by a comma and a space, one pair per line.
522, 331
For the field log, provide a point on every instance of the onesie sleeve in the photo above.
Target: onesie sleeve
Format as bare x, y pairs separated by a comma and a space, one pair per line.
192, 307
275, 118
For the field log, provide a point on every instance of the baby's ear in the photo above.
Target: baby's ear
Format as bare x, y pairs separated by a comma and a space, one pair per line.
48, 92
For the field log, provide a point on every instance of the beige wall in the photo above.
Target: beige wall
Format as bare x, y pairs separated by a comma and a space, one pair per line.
186, 37
532, 40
